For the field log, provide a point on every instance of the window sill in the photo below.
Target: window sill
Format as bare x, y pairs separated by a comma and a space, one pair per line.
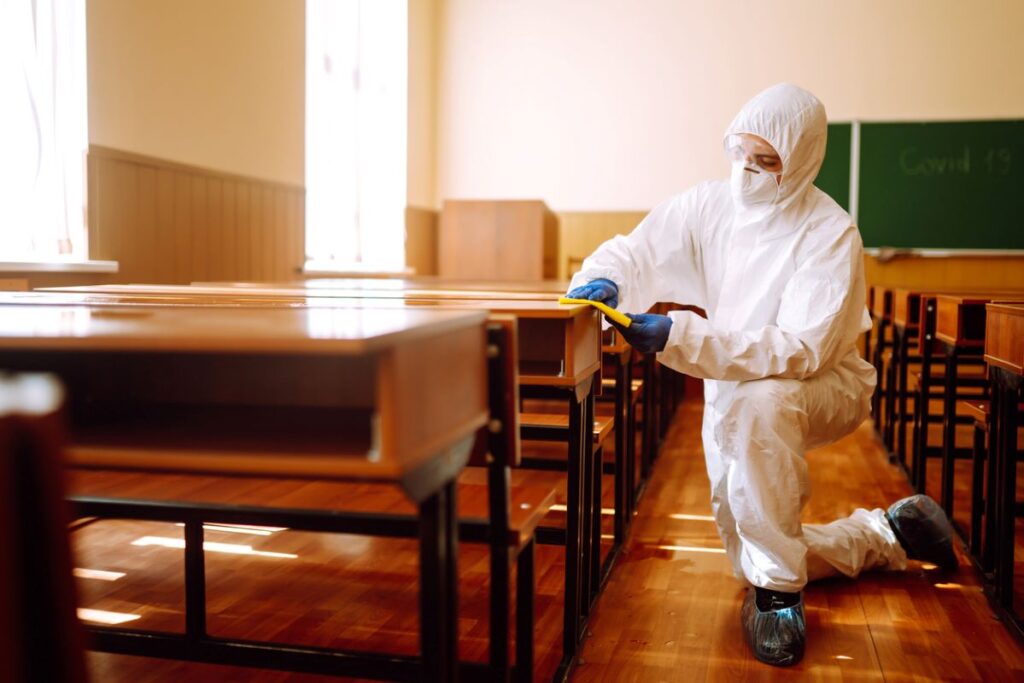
58, 266
341, 270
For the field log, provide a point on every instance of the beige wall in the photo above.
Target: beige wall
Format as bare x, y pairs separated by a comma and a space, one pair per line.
422, 102
617, 104
214, 83
220, 84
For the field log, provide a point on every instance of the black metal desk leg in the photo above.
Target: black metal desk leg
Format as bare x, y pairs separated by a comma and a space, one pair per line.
630, 426
876, 398
622, 401
948, 432
988, 549
573, 533
501, 571
892, 389
919, 450
438, 594
901, 393
1007, 388
524, 614
650, 438
977, 492
586, 519
195, 581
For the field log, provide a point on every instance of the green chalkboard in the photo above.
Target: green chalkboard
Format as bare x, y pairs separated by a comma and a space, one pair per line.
834, 176
948, 185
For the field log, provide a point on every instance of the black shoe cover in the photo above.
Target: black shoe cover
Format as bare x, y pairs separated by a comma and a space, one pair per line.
923, 530
776, 636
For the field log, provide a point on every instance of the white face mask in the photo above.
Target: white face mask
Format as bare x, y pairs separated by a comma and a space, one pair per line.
753, 192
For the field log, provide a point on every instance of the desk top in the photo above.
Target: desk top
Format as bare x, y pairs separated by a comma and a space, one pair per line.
426, 283
909, 301
328, 392
557, 336
347, 331
365, 290
960, 318
530, 305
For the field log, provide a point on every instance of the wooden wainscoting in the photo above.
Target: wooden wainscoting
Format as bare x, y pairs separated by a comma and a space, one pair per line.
165, 222
421, 240
969, 272
583, 231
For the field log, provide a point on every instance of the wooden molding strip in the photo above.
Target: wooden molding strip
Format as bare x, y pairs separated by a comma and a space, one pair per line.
155, 162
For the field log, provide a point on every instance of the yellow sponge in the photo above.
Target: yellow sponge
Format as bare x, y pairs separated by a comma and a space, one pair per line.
618, 317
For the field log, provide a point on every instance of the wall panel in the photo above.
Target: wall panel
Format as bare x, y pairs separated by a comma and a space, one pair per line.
582, 232
165, 222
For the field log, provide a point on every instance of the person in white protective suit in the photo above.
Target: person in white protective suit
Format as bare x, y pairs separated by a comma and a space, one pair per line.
778, 267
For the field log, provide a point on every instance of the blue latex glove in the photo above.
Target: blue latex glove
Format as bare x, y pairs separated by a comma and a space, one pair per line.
648, 333
597, 290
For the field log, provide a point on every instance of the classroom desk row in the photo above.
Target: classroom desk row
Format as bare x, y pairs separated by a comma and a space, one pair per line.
948, 365
525, 300
1004, 354
207, 392
211, 338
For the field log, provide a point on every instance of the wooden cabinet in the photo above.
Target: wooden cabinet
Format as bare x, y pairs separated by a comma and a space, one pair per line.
498, 240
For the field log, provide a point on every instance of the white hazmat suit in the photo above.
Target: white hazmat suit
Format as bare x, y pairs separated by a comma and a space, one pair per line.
784, 294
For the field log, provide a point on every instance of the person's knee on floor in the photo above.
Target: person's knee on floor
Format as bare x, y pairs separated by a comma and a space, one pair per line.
760, 440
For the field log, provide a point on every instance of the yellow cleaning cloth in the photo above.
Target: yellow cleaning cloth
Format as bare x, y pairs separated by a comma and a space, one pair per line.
618, 317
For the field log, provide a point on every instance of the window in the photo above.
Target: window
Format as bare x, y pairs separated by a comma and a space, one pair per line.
356, 73
43, 130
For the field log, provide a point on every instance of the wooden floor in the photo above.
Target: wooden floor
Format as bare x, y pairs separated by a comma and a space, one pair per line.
670, 611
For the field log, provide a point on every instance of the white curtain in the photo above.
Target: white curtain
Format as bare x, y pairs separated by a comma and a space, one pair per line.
43, 130
356, 130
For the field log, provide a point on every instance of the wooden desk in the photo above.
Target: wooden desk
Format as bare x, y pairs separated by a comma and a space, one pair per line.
960, 330
559, 345
614, 347
559, 351
394, 395
617, 352
1004, 336
1004, 353
909, 312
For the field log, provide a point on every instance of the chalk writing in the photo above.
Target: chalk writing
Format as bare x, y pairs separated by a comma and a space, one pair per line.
995, 161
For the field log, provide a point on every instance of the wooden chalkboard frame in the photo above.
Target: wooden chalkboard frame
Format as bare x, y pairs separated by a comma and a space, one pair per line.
834, 176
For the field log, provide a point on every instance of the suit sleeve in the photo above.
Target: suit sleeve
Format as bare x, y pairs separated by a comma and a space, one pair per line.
820, 315
658, 261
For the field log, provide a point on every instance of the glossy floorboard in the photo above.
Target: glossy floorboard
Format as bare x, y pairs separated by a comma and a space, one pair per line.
669, 612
